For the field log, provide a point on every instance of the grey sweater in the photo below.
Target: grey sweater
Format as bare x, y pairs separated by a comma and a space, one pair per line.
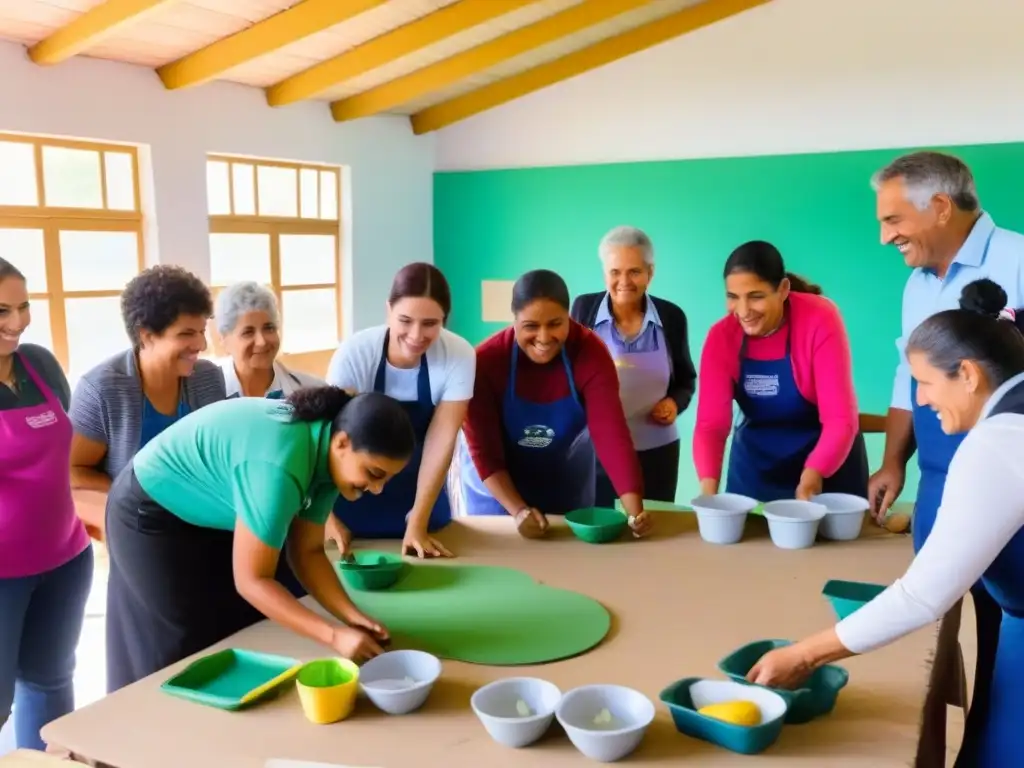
107, 405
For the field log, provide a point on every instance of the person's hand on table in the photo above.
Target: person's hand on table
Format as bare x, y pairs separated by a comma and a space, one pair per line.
355, 644
785, 667
338, 532
884, 487
421, 544
531, 523
810, 484
665, 411
641, 524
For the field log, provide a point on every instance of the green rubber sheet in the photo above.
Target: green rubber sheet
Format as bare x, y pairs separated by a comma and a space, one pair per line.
485, 615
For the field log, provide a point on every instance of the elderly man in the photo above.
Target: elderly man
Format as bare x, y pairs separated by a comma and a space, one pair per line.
929, 210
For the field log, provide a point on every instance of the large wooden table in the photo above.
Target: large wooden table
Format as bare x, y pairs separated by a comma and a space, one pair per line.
679, 605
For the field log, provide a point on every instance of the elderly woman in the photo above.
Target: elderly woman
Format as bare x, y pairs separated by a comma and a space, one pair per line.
249, 325
127, 400
647, 338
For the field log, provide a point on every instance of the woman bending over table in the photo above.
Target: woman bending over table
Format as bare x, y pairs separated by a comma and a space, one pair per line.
198, 520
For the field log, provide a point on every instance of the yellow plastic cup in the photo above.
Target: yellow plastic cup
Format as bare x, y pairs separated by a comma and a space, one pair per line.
327, 689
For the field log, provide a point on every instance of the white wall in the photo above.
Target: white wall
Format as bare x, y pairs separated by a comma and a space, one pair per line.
790, 76
388, 221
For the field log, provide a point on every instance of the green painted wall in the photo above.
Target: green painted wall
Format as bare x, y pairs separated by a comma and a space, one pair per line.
818, 209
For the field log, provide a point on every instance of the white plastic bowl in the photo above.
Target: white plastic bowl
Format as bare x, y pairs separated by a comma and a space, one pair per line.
845, 516
705, 692
497, 705
385, 680
579, 713
722, 517
793, 524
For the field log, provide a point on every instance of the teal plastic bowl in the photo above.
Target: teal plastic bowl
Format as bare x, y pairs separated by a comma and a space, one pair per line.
816, 698
597, 525
684, 697
848, 596
371, 570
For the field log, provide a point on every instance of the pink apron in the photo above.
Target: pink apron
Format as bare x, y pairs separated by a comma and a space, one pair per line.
39, 530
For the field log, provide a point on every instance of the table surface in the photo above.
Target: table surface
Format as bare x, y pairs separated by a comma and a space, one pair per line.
678, 606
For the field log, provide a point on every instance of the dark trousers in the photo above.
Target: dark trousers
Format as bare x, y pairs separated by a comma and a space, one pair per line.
660, 467
988, 619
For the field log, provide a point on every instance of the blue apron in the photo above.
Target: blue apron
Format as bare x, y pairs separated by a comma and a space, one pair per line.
383, 516
154, 422
548, 453
779, 429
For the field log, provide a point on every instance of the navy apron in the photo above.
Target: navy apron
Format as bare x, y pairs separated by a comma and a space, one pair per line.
548, 453
779, 429
383, 516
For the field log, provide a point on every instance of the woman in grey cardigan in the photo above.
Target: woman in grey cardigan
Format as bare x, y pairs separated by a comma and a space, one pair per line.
125, 401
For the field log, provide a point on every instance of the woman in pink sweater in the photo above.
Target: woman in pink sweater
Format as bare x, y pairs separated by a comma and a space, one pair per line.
783, 356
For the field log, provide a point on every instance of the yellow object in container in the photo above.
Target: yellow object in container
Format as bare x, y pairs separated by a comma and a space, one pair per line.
735, 712
327, 689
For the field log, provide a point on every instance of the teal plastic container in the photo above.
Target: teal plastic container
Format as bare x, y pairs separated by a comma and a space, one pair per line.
233, 679
849, 596
369, 571
597, 525
816, 698
684, 697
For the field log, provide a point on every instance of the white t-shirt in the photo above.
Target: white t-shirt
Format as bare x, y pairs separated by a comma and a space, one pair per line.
285, 380
451, 361
982, 509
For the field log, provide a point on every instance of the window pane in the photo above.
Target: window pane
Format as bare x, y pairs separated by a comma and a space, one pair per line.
98, 261
218, 192
95, 332
38, 331
71, 178
18, 174
24, 249
279, 192
242, 175
120, 181
307, 259
309, 320
328, 195
235, 257
308, 193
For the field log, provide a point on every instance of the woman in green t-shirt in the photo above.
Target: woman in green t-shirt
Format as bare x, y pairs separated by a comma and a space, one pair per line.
196, 524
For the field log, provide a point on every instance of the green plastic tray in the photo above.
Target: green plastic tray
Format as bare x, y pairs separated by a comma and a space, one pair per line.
597, 525
233, 679
849, 596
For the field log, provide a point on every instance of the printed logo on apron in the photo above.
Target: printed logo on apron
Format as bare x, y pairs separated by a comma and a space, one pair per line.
41, 420
756, 385
537, 436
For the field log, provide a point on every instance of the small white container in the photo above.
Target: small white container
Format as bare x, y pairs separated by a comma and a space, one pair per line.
793, 524
845, 516
722, 517
605, 722
705, 692
399, 682
500, 708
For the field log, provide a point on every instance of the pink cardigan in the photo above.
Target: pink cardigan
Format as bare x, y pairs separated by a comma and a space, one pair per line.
822, 368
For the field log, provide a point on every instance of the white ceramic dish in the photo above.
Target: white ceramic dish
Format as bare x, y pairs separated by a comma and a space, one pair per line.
793, 524
722, 517
845, 516
399, 682
605, 722
516, 711
707, 692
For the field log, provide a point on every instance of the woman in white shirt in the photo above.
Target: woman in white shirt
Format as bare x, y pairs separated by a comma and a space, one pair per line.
969, 367
416, 360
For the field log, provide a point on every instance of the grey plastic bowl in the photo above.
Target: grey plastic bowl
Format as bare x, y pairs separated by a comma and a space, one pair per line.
845, 517
497, 704
722, 517
630, 710
385, 680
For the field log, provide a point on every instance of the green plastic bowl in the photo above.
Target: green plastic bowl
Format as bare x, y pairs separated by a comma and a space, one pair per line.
816, 698
371, 570
849, 596
597, 525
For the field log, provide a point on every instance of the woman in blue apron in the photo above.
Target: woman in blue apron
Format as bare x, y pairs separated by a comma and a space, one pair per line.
969, 365
546, 396
130, 398
430, 370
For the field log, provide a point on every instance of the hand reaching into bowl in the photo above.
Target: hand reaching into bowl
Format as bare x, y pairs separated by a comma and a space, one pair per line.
785, 667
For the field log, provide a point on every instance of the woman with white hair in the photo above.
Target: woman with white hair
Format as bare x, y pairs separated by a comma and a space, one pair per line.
249, 326
647, 338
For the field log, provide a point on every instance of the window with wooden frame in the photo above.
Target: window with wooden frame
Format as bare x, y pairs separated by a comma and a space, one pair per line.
278, 223
71, 221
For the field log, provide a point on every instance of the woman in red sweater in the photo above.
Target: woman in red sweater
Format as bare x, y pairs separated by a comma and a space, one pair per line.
782, 354
546, 395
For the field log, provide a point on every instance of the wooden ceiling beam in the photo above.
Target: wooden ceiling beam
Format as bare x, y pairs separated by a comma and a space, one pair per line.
90, 28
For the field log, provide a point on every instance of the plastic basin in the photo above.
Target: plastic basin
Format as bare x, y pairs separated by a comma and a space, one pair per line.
722, 517
844, 517
793, 524
371, 570
597, 525
327, 689
818, 695
684, 697
582, 713
516, 711
848, 596
399, 682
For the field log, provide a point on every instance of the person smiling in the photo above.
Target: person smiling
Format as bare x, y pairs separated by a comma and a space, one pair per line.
784, 357
431, 371
546, 396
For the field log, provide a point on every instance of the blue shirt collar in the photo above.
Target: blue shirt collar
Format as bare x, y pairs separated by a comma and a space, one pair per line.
972, 252
604, 314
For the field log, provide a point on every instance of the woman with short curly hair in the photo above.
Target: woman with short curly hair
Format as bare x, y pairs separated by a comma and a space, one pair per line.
128, 399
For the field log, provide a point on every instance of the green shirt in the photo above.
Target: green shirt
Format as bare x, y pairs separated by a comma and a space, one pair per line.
241, 459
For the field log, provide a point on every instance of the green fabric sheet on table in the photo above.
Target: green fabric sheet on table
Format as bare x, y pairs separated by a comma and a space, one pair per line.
484, 615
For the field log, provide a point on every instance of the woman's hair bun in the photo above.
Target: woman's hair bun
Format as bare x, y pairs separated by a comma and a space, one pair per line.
984, 297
